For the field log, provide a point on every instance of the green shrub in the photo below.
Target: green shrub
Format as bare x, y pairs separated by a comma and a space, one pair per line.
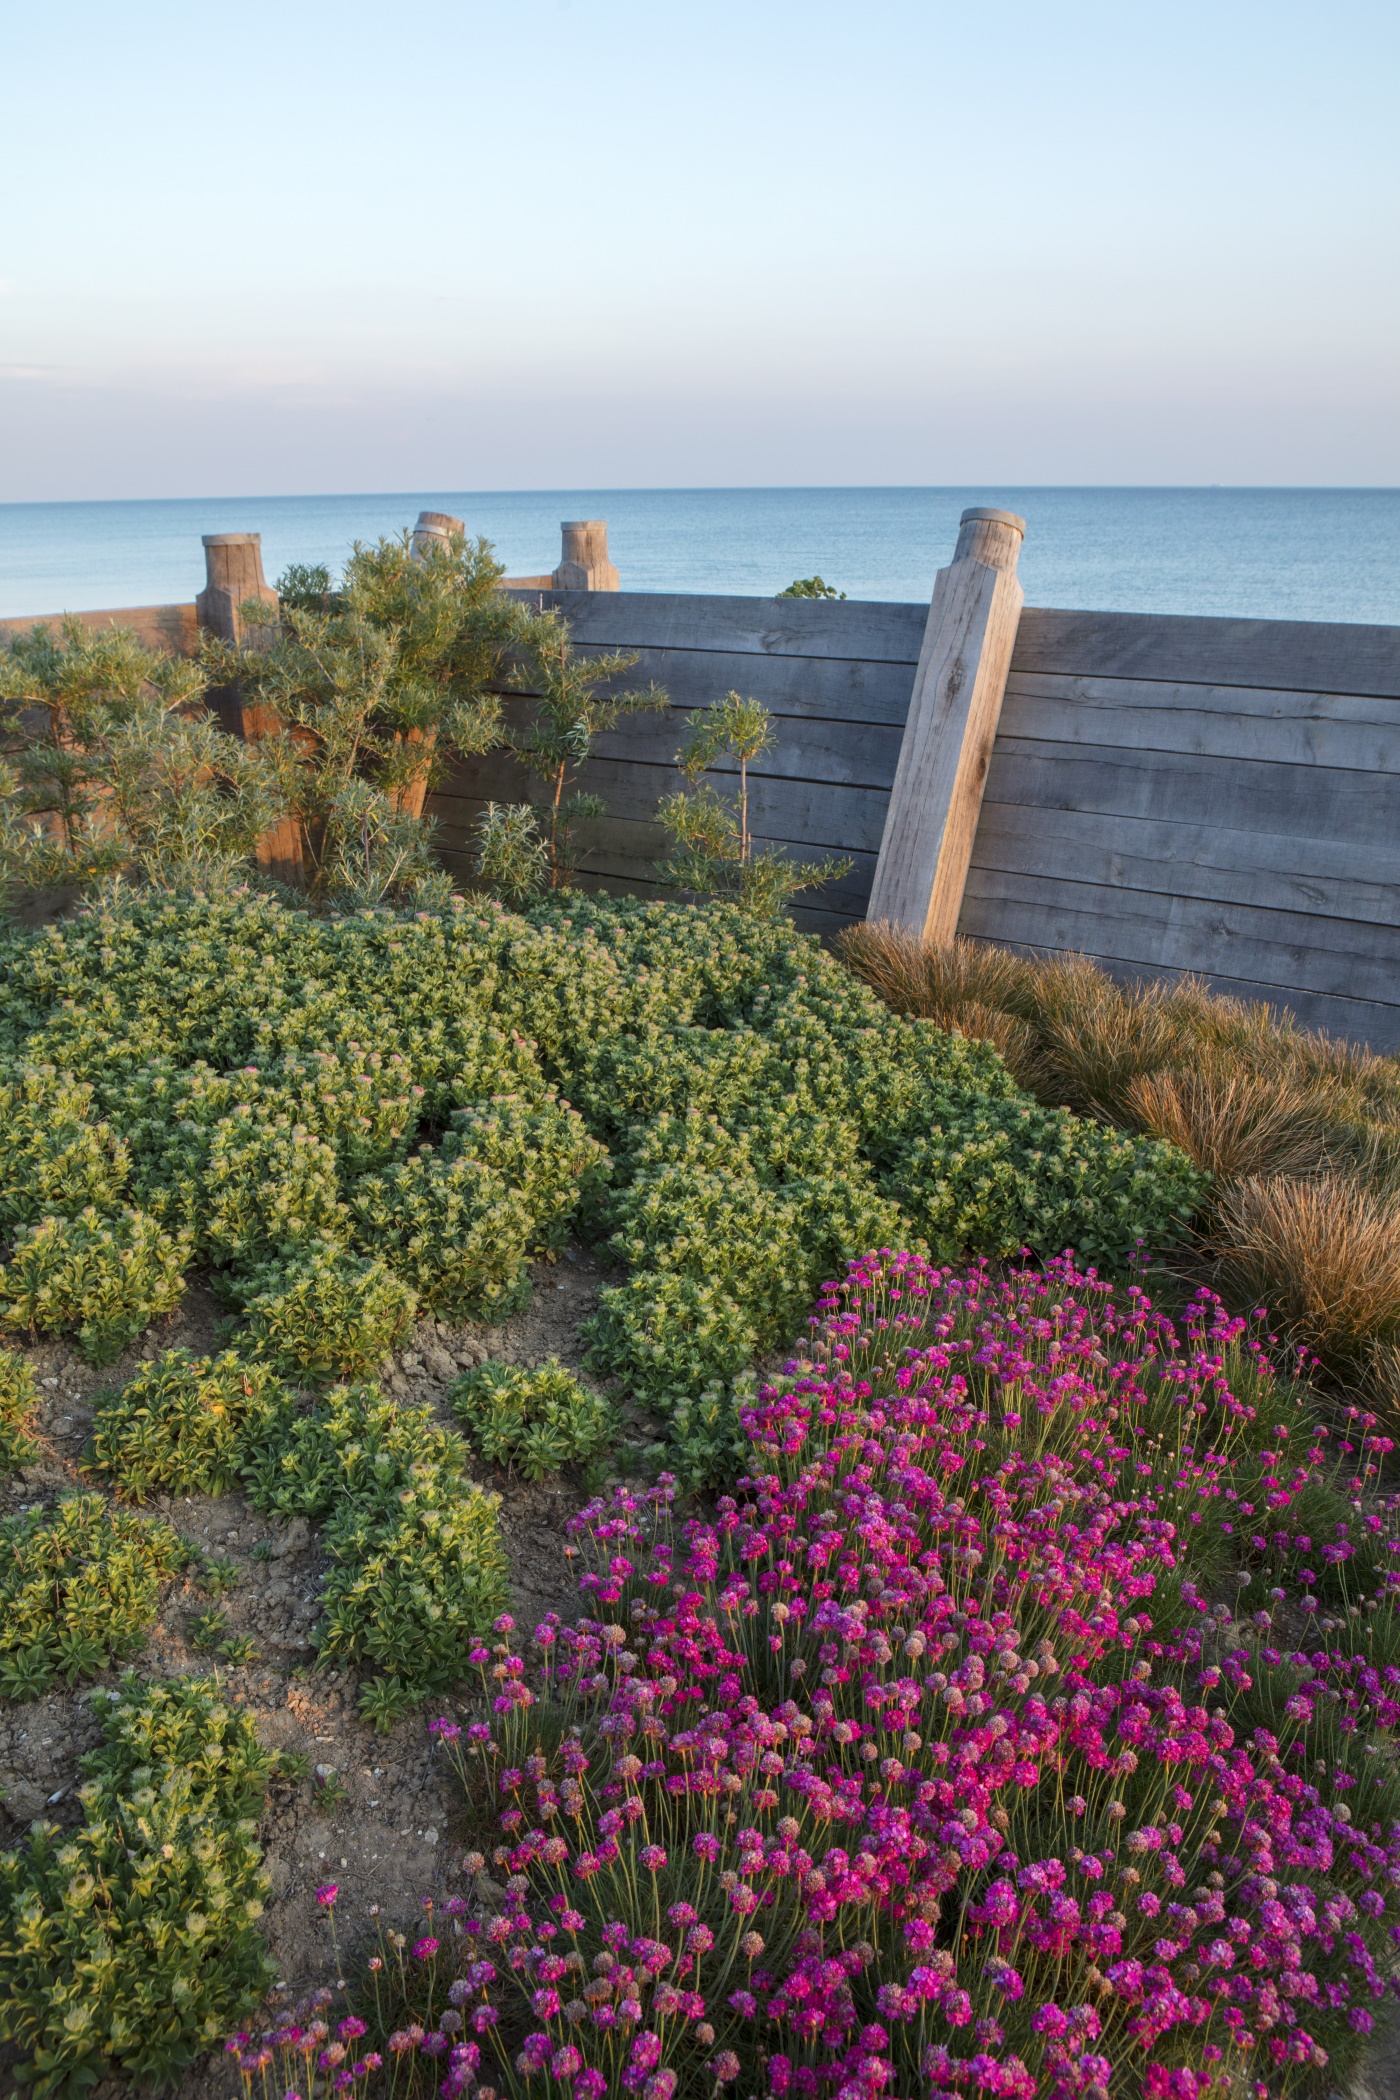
19, 1397
106, 1278
323, 1314
178, 1426
536, 1420
56, 1158
418, 1571
459, 1224
131, 1944
78, 1588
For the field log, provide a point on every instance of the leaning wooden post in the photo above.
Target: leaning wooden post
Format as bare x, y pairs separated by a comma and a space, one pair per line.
233, 565
435, 528
584, 565
952, 724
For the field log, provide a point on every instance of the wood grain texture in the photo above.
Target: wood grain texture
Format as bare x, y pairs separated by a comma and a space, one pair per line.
1320, 655
170, 627
855, 629
931, 818
1197, 721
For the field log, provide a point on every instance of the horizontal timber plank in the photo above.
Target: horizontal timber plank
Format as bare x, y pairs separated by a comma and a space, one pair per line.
1318, 802
169, 627
862, 630
788, 686
1280, 948
802, 813
1176, 725
1320, 655
1266, 702
1328, 877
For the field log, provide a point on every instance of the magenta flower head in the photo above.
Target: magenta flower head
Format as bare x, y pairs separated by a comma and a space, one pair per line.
425, 1949
590, 2085
706, 1847
327, 1894
725, 2067
660, 2087
653, 1858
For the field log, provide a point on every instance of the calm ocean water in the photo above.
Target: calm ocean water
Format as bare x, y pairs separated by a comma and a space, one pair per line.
1300, 554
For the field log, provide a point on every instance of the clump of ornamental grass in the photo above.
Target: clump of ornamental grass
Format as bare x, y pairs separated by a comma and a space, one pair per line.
534, 1420
928, 1762
1299, 1133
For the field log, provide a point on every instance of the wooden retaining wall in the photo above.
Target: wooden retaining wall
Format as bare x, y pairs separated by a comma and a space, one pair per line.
1164, 794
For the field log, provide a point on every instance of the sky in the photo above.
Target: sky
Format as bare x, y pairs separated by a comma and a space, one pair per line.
312, 247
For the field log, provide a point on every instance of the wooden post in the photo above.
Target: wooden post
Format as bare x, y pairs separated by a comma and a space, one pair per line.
950, 730
434, 529
233, 562
584, 565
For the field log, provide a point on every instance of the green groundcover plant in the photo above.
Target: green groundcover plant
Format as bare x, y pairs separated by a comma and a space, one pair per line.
129, 1943
19, 1397
264, 1083
536, 1420
79, 1586
178, 1427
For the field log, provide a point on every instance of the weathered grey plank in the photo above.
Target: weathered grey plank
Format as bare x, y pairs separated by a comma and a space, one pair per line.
797, 687
1329, 877
1294, 738
856, 754
1304, 801
1319, 655
797, 812
1268, 703
858, 629
1340, 957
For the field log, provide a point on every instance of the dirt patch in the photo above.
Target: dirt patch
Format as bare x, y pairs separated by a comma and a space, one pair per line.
384, 1821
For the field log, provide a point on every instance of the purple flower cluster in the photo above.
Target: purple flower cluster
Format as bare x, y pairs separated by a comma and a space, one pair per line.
929, 1763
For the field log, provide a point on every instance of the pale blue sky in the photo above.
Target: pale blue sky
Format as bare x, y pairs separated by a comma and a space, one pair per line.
612, 243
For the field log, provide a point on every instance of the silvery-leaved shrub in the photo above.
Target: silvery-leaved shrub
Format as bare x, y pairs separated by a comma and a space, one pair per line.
131, 1943
101, 1279
179, 1427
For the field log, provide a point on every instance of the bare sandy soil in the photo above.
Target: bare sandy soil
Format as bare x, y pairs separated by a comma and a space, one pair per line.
385, 1821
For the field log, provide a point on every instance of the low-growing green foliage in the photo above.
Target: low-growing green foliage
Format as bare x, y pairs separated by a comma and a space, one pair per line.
56, 1157
101, 1278
131, 1943
417, 1567
178, 1426
535, 1421
323, 1313
19, 1397
79, 1585
216, 1575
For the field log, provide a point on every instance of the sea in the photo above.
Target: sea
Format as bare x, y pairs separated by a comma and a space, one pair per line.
1271, 553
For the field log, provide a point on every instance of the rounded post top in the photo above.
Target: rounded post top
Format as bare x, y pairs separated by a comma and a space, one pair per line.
994, 517
584, 525
438, 521
231, 539
991, 537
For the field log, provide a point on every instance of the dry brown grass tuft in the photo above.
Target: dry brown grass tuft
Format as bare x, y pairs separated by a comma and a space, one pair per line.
935, 983
1235, 1124
1322, 1254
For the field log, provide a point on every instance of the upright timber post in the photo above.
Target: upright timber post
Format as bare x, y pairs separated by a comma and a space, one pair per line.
435, 528
233, 566
951, 727
584, 565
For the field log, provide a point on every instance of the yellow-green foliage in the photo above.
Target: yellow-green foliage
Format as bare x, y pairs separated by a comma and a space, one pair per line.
537, 1420
19, 1397
178, 1427
78, 1587
131, 1944
102, 1279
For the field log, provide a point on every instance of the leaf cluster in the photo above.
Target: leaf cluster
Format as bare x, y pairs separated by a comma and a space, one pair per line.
536, 1421
19, 1401
179, 1426
130, 1945
102, 1278
78, 1588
